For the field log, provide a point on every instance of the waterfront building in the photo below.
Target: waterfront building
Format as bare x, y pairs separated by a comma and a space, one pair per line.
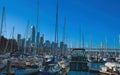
18, 40
61, 45
41, 41
53, 44
22, 42
47, 45
33, 35
28, 42
65, 46
37, 39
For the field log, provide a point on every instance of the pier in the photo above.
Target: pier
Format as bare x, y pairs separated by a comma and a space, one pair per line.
108, 73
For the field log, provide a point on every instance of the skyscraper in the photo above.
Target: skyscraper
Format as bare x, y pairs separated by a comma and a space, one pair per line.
18, 40
61, 45
33, 34
47, 45
37, 38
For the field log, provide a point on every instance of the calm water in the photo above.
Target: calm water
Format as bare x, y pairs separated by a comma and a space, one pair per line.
91, 65
82, 73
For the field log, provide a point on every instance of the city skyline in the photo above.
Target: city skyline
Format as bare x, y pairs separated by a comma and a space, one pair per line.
97, 19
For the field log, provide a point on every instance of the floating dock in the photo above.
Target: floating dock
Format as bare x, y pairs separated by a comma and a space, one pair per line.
100, 71
108, 73
94, 70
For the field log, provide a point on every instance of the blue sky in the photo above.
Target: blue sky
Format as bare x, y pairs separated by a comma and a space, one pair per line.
98, 19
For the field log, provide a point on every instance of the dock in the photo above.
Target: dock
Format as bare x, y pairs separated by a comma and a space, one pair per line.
108, 73
103, 72
94, 70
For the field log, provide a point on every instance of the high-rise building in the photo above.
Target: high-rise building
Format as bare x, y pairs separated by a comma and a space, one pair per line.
28, 42
47, 44
22, 42
54, 45
18, 40
41, 41
37, 38
33, 35
65, 46
62, 45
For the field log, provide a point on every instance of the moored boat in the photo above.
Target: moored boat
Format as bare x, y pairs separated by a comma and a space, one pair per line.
79, 61
50, 69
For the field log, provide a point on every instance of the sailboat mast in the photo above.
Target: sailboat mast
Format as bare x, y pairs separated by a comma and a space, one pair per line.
82, 40
2, 21
56, 28
63, 38
64, 29
106, 44
91, 43
115, 47
12, 45
37, 28
26, 36
119, 41
81, 37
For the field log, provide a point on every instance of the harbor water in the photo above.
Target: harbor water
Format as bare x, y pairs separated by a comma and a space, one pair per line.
92, 65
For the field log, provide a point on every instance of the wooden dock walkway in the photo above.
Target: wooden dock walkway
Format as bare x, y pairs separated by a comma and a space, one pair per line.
100, 71
108, 73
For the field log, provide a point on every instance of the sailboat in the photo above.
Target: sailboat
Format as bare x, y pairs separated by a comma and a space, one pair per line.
2, 64
49, 66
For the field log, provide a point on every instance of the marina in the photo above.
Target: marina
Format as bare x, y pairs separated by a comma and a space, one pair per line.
68, 48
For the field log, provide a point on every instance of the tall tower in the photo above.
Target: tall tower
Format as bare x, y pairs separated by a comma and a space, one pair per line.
32, 34
56, 28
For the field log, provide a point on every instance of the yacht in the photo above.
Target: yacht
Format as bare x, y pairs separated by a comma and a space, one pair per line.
78, 61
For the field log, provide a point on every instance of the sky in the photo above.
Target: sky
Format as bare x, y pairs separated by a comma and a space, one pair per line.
96, 19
